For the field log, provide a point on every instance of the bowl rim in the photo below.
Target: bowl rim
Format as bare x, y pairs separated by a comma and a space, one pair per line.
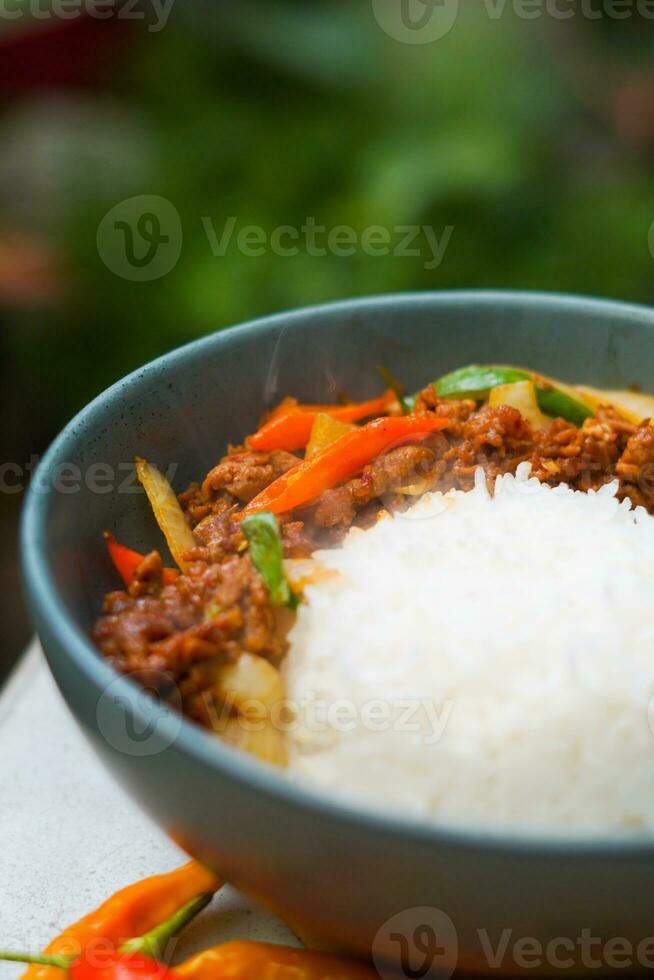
192, 740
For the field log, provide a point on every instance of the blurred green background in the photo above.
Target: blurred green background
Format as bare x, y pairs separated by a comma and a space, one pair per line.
532, 139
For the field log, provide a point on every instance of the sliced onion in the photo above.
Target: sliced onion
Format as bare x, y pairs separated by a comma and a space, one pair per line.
306, 571
325, 431
167, 510
414, 489
263, 740
634, 406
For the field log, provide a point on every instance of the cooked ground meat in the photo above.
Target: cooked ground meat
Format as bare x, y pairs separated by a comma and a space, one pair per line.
244, 474
237, 479
401, 467
636, 467
455, 410
498, 439
586, 457
174, 636
216, 611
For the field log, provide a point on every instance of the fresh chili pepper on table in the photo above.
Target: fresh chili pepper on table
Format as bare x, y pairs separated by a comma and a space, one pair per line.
264, 961
94, 948
143, 905
133, 911
239, 960
128, 966
290, 428
340, 461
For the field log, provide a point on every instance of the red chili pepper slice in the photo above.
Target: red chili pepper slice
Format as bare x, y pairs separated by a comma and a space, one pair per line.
341, 460
127, 561
290, 428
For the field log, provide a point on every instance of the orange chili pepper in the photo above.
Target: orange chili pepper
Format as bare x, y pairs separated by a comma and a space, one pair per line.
109, 966
263, 961
342, 459
290, 428
133, 911
127, 561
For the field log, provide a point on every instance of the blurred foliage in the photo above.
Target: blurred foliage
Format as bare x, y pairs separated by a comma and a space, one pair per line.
272, 111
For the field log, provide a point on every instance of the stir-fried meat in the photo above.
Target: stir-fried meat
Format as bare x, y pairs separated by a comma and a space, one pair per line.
498, 439
148, 577
335, 507
636, 467
300, 539
215, 611
401, 467
456, 411
244, 474
177, 634
586, 457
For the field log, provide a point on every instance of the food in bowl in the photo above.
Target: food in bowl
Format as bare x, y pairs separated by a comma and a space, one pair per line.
476, 553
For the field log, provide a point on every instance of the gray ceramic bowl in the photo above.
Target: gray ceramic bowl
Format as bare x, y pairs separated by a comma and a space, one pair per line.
342, 873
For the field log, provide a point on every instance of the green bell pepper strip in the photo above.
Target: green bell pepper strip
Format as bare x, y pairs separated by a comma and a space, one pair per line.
476, 380
267, 553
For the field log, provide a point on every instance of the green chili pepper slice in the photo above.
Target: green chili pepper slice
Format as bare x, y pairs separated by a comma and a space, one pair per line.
406, 403
267, 553
476, 380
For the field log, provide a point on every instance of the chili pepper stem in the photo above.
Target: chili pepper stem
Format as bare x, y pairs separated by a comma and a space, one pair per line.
153, 943
62, 962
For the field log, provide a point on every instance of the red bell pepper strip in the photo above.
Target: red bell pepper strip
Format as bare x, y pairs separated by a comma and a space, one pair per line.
290, 428
341, 460
127, 561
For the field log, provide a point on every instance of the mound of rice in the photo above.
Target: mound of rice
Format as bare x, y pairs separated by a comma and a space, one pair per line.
485, 661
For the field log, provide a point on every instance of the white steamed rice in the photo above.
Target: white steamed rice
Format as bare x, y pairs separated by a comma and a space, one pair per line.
486, 661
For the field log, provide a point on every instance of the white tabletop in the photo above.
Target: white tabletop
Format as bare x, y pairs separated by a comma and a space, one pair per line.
70, 837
